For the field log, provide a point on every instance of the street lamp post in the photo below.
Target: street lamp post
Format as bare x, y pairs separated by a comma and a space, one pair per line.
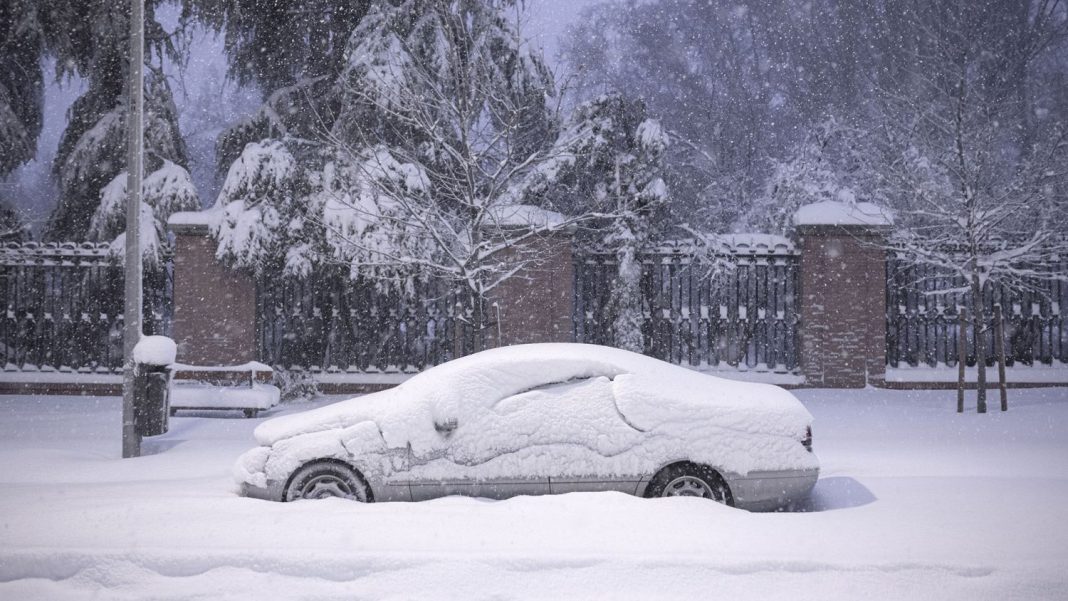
131, 440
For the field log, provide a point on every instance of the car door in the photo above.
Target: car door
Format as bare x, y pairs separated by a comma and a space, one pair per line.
452, 470
602, 457
567, 433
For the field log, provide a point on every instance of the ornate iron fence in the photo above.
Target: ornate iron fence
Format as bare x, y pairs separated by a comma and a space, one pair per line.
62, 307
330, 322
739, 312
923, 307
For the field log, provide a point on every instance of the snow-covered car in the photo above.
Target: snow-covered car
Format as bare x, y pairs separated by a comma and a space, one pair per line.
539, 419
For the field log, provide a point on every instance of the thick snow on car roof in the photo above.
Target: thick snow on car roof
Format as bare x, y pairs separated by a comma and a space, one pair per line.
648, 393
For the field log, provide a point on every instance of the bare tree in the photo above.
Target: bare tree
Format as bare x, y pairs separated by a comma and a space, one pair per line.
975, 199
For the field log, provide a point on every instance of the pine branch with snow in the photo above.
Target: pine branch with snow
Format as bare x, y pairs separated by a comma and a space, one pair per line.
165, 191
12, 228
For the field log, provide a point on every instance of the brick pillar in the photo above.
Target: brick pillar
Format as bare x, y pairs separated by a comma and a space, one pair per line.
536, 304
843, 305
214, 306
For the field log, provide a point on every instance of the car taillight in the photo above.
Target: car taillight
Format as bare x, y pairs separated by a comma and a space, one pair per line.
807, 440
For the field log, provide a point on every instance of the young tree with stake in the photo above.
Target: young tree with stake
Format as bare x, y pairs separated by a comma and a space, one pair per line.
976, 198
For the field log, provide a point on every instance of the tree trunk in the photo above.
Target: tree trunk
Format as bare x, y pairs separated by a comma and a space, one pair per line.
978, 320
627, 301
477, 306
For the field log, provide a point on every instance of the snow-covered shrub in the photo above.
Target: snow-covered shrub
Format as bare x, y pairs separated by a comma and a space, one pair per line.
296, 384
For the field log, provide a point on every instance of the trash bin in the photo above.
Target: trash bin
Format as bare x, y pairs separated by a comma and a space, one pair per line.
152, 410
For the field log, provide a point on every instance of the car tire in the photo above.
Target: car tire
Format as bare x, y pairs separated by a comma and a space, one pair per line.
325, 479
251, 413
689, 480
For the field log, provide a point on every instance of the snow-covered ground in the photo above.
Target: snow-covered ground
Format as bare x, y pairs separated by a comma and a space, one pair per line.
915, 502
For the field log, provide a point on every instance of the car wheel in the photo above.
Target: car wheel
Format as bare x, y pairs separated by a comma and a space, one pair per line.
689, 480
251, 413
324, 479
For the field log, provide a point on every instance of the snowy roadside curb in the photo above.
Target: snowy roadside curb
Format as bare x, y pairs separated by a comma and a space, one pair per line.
1038, 374
59, 377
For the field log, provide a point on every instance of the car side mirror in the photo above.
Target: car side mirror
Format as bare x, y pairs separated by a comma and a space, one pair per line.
445, 428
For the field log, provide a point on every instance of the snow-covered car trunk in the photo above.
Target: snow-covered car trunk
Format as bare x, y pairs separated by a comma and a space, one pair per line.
519, 419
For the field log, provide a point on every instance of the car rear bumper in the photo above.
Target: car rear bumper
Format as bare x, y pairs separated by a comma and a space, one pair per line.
763, 491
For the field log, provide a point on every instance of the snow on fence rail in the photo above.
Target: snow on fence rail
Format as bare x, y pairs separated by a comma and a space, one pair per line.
62, 307
922, 309
739, 311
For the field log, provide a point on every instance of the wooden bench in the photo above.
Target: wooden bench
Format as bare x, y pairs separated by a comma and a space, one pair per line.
247, 387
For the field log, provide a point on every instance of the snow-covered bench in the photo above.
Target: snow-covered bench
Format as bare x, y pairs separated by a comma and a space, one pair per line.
245, 387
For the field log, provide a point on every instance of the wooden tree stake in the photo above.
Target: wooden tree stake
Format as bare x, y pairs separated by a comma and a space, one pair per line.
962, 356
999, 348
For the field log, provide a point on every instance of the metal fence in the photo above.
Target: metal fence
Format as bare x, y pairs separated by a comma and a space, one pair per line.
923, 307
740, 311
330, 322
62, 311
62, 307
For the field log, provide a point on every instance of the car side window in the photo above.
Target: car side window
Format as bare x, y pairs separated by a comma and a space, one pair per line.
544, 394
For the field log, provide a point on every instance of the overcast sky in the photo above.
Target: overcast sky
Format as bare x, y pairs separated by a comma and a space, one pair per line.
30, 187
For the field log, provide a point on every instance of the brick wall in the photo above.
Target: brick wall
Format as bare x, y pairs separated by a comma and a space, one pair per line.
843, 306
214, 306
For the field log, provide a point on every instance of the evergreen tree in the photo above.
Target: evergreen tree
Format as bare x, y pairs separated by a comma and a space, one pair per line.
441, 112
21, 83
165, 191
92, 42
608, 161
271, 207
293, 51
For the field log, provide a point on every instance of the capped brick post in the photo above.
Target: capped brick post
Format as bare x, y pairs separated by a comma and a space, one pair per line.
214, 305
536, 304
843, 293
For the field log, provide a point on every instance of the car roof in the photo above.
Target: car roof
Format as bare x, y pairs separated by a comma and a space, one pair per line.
649, 392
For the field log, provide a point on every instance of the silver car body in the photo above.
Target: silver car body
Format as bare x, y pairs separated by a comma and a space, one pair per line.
546, 419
